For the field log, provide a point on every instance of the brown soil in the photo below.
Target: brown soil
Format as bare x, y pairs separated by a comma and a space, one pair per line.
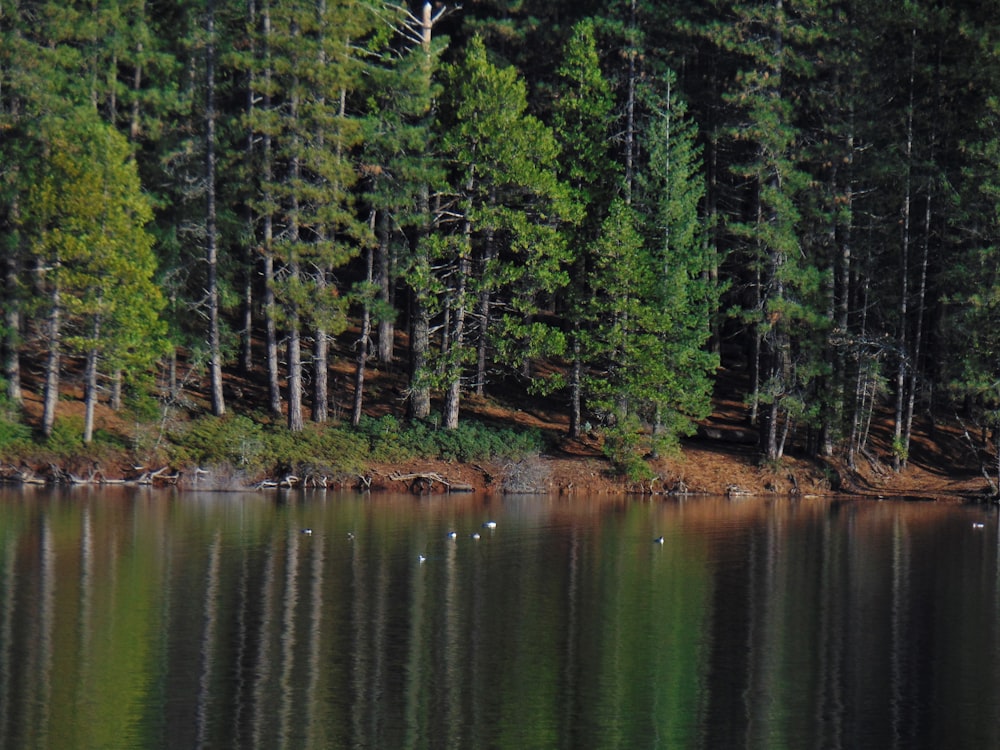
717, 461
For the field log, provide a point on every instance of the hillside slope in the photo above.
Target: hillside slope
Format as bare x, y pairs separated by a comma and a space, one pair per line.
721, 459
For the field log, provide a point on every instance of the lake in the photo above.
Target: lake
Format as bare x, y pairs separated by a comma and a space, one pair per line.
149, 619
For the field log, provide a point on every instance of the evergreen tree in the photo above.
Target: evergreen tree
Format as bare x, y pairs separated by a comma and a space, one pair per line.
313, 69
780, 282
508, 204
581, 115
401, 167
85, 216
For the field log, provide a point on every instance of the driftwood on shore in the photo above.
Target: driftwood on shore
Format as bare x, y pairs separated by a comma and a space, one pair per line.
422, 483
54, 474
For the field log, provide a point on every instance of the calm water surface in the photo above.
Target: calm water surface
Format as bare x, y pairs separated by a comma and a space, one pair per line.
134, 619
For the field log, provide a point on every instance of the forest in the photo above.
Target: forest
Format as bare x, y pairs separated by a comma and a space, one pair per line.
605, 203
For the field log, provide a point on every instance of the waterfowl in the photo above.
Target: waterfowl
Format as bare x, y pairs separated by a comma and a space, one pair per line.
307, 532
490, 525
420, 558
658, 540
977, 525
452, 534
475, 535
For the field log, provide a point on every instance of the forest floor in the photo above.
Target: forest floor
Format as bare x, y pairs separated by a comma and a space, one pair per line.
721, 459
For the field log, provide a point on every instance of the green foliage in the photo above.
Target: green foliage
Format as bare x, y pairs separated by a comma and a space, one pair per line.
389, 440
622, 442
237, 441
66, 439
14, 434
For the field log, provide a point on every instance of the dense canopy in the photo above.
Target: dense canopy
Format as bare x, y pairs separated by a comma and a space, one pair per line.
637, 193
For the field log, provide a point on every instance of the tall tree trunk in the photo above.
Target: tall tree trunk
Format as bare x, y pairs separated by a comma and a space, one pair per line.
321, 367
919, 332
115, 399
419, 405
12, 330
386, 326
363, 343
485, 301
420, 337
295, 423
904, 272
271, 329
454, 388
211, 226
249, 262
576, 386
52, 362
270, 304
90, 384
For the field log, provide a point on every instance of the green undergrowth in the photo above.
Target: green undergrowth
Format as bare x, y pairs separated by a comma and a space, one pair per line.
260, 449
254, 447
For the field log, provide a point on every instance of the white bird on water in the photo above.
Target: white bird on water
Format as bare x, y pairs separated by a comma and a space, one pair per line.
658, 540
420, 558
490, 525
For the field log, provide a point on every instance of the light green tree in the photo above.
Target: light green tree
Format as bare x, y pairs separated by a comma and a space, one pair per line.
501, 243
84, 216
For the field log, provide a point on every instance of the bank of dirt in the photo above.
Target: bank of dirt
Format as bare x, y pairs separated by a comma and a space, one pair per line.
722, 458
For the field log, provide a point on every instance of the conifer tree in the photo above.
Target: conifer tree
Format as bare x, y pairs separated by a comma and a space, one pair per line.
507, 208
401, 168
781, 282
84, 217
581, 115
312, 70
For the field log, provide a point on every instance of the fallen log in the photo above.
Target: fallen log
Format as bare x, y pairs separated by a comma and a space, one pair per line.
422, 483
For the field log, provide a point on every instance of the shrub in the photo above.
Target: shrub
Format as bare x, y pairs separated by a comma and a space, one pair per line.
66, 438
235, 440
13, 434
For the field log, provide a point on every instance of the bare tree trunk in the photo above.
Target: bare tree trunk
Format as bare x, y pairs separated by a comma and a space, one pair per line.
420, 393
90, 385
294, 372
321, 377
11, 335
211, 227
246, 355
270, 312
919, 332
271, 329
52, 363
903, 363
115, 400
454, 392
485, 300
363, 344
386, 326
576, 386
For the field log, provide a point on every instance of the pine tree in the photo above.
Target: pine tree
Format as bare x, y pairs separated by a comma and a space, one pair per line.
508, 205
400, 170
781, 283
312, 69
85, 216
581, 114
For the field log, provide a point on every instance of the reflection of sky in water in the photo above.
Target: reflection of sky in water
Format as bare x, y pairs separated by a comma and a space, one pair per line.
146, 619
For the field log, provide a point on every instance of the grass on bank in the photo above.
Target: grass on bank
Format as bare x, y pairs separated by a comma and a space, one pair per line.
256, 448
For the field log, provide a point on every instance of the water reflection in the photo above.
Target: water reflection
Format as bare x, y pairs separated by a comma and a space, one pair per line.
144, 619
